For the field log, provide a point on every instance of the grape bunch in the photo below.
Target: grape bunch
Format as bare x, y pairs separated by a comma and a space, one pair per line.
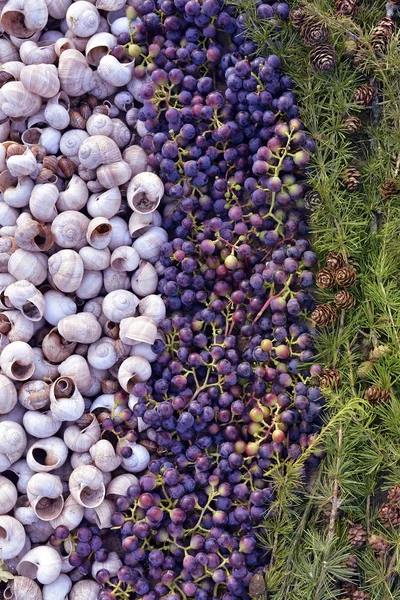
233, 387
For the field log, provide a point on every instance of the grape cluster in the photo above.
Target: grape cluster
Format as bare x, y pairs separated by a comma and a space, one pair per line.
232, 388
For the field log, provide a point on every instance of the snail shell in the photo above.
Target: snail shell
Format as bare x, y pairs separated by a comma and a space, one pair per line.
66, 270
98, 46
83, 18
41, 79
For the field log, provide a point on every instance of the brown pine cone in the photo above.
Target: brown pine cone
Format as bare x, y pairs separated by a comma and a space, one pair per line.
324, 315
298, 16
359, 60
357, 535
374, 394
312, 199
394, 495
389, 188
314, 32
325, 278
329, 378
349, 587
351, 178
378, 544
382, 34
344, 300
351, 563
352, 124
359, 595
335, 260
389, 515
345, 277
323, 58
364, 94
347, 8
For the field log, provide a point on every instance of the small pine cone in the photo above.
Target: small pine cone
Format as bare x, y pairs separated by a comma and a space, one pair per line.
351, 178
323, 58
378, 352
314, 32
364, 94
325, 278
374, 394
335, 260
382, 34
357, 535
389, 188
364, 369
350, 48
257, 585
349, 587
347, 8
345, 277
378, 544
352, 124
359, 60
389, 515
298, 16
329, 378
312, 199
351, 563
324, 315
344, 300
359, 595
394, 495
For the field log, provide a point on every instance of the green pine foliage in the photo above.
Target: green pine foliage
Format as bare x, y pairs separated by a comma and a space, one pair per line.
308, 550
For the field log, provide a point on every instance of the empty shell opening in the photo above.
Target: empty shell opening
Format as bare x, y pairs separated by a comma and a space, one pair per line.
11, 476
131, 383
104, 228
118, 264
49, 508
27, 569
92, 498
40, 240
42, 458
3, 533
5, 325
31, 311
21, 371
63, 388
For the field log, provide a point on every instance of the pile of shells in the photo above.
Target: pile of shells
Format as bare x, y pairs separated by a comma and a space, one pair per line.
80, 239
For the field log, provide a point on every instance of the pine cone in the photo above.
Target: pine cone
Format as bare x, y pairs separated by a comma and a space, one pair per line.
389, 515
351, 178
349, 587
257, 586
335, 260
359, 595
378, 544
329, 378
351, 563
350, 48
374, 394
298, 16
364, 369
314, 32
345, 277
323, 58
357, 535
312, 199
352, 124
378, 352
347, 8
359, 60
325, 278
324, 315
389, 188
344, 300
364, 95
394, 496
382, 34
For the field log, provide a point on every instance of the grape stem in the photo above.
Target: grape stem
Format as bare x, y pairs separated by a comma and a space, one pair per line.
268, 302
